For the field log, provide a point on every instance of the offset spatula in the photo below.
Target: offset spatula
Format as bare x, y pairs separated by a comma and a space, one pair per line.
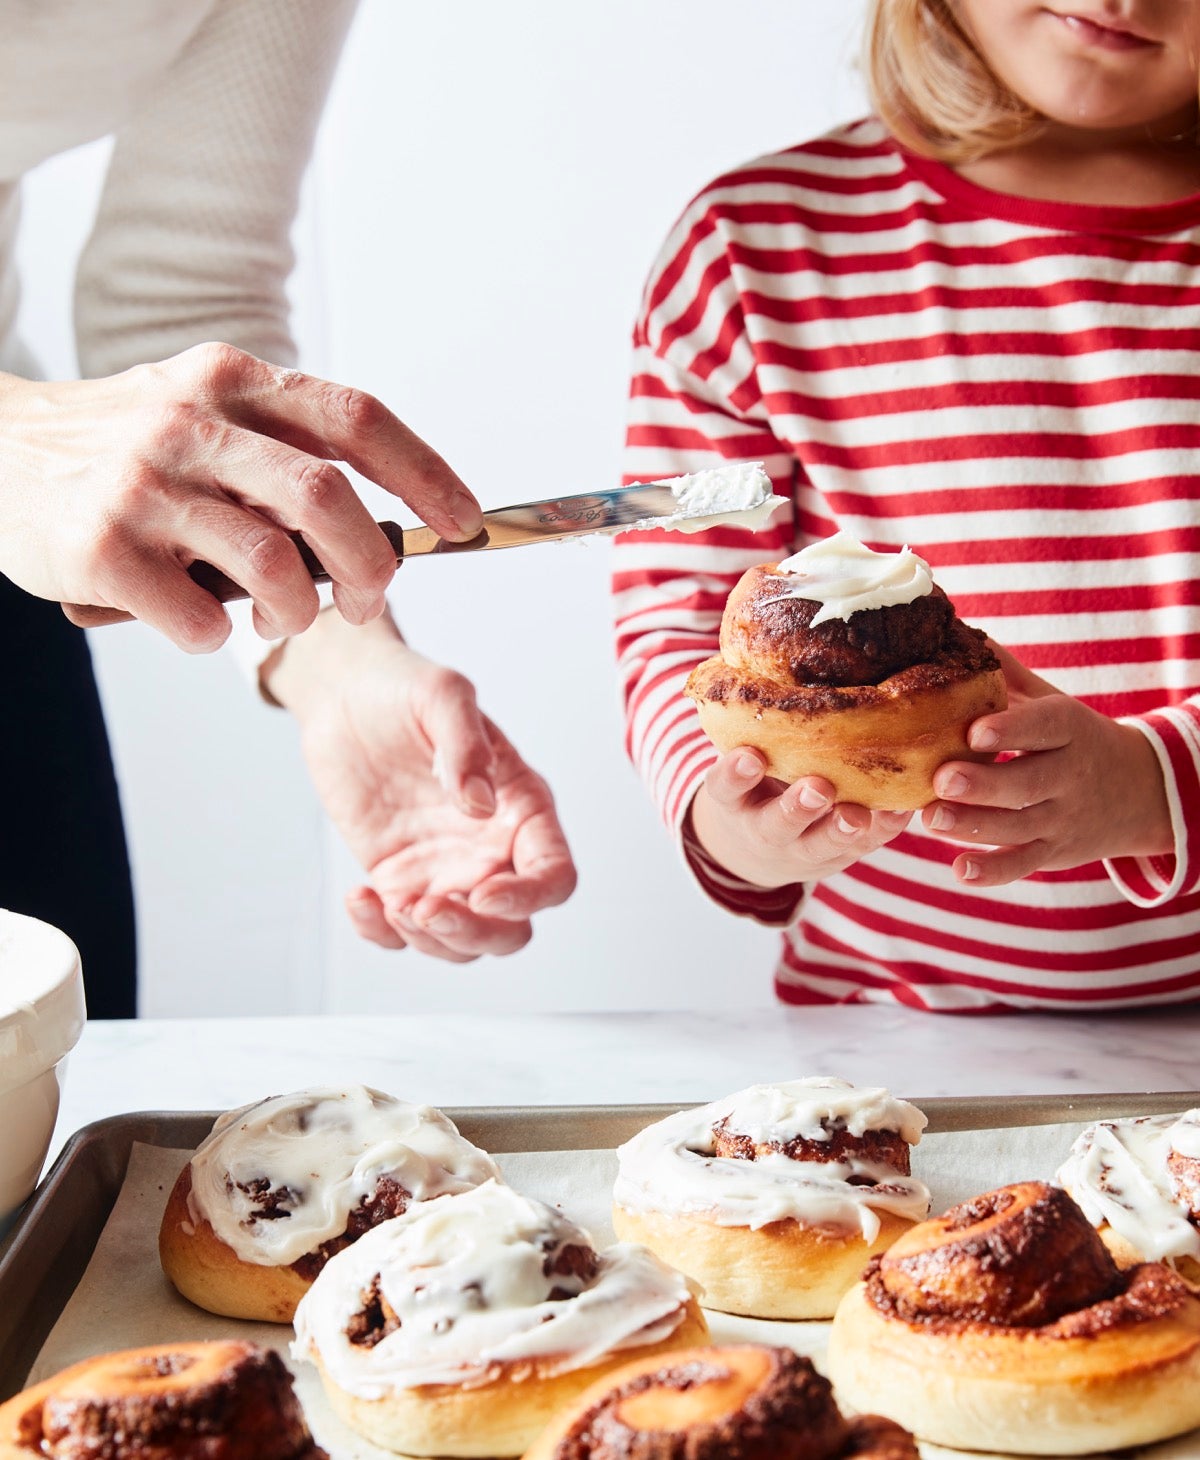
646, 504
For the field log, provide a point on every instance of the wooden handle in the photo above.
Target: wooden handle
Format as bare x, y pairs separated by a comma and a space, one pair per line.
223, 588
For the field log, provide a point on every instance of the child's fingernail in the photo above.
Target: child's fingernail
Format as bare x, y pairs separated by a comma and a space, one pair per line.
970, 871
955, 784
985, 738
812, 800
942, 819
846, 826
498, 906
746, 765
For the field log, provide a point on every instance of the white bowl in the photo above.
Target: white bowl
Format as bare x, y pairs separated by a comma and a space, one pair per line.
41, 1018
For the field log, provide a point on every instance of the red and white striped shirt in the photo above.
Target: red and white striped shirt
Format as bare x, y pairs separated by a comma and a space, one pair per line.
1011, 387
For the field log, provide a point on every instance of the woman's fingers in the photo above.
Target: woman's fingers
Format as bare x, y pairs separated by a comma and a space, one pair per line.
155, 588
543, 872
458, 733
350, 425
367, 918
446, 928
298, 493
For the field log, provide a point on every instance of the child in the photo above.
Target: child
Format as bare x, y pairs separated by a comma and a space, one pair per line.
972, 325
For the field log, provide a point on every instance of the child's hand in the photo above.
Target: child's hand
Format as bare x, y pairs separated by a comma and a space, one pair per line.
1079, 787
773, 835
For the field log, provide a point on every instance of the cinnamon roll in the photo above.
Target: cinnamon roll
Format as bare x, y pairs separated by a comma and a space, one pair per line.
848, 664
773, 1199
280, 1186
746, 1401
1138, 1182
460, 1327
186, 1401
1006, 1325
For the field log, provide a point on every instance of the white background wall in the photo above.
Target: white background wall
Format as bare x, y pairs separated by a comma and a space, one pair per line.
490, 185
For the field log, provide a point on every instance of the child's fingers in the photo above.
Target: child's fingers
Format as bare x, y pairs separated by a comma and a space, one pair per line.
808, 809
1011, 785
1019, 679
1003, 864
1045, 724
731, 779
990, 828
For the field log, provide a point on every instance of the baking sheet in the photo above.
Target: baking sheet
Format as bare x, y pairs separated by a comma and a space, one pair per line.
117, 1181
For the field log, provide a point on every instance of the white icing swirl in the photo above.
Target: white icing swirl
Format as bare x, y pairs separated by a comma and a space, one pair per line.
672, 1166
845, 577
1117, 1172
320, 1152
739, 494
468, 1279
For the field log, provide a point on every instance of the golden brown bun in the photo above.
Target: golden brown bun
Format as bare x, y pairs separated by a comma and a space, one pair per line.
782, 1270
743, 1400
1049, 1353
499, 1418
879, 744
224, 1400
210, 1274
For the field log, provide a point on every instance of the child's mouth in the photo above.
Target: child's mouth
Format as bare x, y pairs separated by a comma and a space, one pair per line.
1103, 35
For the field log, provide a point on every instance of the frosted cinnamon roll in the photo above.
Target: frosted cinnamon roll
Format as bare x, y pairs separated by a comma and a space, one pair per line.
848, 664
1006, 1325
1138, 1182
187, 1401
460, 1327
280, 1186
747, 1401
773, 1199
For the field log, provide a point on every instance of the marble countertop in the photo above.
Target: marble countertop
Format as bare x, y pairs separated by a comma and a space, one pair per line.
586, 1059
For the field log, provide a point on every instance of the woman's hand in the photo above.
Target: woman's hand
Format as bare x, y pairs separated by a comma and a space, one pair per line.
112, 488
1072, 786
458, 836
773, 835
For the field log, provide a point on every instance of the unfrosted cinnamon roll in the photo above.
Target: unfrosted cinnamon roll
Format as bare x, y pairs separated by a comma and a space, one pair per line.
184, 1401
460, 1327
1138, 1182
280, 1186
848, 664
747, 1401
1005, 1325
773, 1199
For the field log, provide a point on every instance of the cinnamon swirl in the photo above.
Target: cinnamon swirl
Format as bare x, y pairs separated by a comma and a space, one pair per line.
280, 1186
460, 1327
185, 1401
746, 1401
1138, 1182
848, 664
1006, 1325
773, 1199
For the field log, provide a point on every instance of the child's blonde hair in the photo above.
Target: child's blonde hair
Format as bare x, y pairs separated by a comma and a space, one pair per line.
931, 87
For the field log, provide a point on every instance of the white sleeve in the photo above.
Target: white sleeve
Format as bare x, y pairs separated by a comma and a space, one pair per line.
192, 236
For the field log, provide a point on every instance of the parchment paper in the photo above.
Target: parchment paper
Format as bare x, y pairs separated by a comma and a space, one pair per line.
124, 1301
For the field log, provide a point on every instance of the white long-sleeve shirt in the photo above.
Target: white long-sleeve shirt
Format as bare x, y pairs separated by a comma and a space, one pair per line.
212, 105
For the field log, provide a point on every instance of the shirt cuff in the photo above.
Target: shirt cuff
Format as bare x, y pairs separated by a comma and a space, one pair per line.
250, 652
775, 907
1152, 881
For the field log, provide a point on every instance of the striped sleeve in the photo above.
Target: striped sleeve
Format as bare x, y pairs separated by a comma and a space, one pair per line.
692, 406
1174, 732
